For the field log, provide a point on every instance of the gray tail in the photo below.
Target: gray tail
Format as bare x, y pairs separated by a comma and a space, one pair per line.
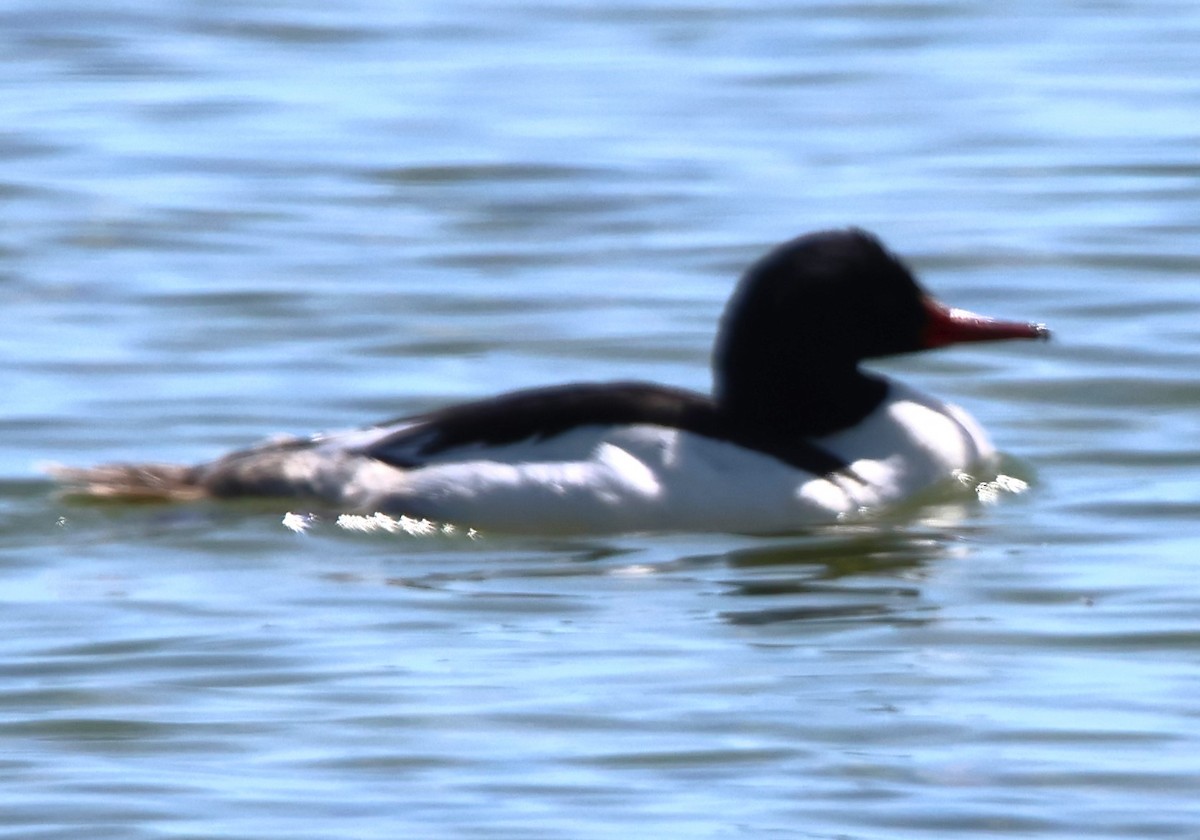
130, 482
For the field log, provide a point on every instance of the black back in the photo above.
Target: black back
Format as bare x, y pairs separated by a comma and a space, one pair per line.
543, 413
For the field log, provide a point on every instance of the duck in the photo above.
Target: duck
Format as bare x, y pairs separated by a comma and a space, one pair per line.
795, 434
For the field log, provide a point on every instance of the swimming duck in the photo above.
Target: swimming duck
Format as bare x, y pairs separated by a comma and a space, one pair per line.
795, 432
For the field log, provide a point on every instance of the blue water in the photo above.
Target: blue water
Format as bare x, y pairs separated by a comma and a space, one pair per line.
224, 221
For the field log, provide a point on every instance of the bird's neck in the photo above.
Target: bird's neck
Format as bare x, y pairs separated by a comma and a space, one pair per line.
809, 406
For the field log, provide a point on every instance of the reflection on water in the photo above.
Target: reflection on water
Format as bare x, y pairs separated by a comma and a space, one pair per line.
869, 574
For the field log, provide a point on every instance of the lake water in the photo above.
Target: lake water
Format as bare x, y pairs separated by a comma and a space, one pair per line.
221, 221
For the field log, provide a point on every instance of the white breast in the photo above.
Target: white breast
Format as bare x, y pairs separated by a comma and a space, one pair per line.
909, 443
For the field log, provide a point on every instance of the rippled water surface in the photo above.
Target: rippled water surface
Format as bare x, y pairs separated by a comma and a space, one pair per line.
221, 221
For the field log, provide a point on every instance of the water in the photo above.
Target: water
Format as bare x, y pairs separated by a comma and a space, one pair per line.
222, 221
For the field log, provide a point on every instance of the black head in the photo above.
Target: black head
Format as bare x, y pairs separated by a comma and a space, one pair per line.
838, 295
805, 315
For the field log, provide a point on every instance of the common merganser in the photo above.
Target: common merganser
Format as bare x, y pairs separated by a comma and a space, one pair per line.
794, 435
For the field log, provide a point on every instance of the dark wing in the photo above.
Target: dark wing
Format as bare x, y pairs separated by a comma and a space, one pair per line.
538, 414
542, 413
